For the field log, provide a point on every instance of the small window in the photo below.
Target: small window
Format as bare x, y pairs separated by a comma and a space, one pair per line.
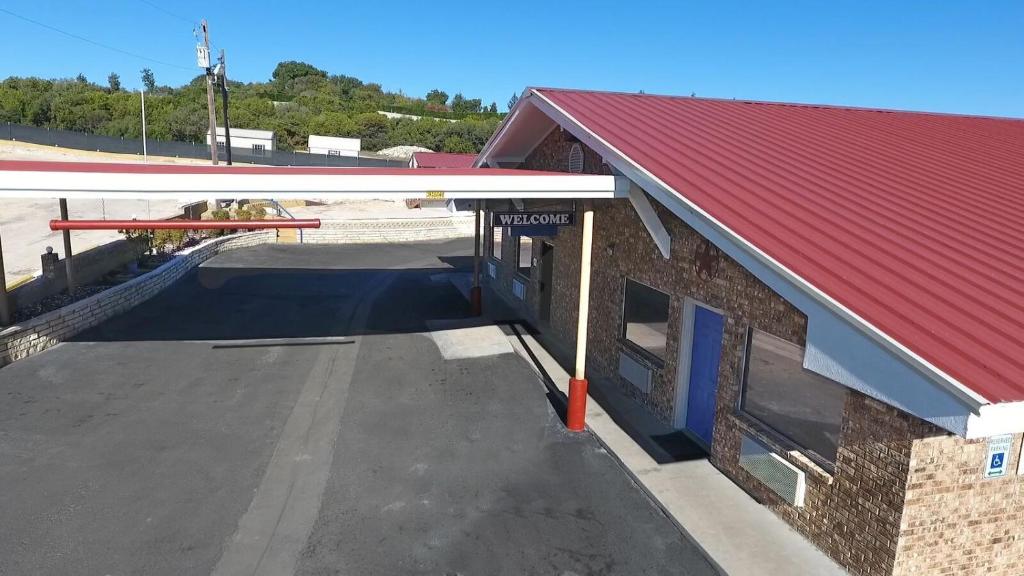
524, 257
804, 407
645, 318
258, 149
334, 152
496, 233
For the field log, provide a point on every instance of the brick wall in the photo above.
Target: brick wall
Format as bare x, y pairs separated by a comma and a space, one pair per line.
956, 522
861, 513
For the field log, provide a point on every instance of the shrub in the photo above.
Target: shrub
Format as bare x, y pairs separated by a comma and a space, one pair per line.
167, 241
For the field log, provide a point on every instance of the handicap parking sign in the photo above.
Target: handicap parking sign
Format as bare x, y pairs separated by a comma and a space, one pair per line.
998, 454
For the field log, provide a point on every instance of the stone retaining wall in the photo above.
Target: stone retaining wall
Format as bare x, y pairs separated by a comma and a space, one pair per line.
389, 230
42, 332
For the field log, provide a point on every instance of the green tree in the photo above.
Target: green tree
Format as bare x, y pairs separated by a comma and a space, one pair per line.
114, 80
512, 101
493, 109
81, 79
148, 80
300, 100
437, 97
456, 144
287, 71
465, 105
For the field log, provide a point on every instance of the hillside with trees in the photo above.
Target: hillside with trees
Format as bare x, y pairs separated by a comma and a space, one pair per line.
297, 101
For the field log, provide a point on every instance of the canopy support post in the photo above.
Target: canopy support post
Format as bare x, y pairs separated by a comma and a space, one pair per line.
5, 302
475, 295
577, 412
68, 265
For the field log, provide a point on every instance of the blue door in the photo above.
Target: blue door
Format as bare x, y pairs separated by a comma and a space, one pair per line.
704, 359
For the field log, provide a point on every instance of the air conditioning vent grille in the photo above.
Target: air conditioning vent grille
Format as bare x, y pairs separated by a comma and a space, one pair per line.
635, 372
785, 479
519, 289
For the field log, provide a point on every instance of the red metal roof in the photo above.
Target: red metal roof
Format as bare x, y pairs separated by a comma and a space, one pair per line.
913, 221
443, 160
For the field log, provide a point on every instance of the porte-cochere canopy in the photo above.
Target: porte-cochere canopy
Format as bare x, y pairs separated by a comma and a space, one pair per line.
32, 179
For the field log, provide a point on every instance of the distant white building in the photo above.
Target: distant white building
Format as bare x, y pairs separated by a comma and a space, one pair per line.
334, 146
259, 141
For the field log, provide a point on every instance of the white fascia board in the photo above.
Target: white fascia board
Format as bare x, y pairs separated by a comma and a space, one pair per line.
510, 118
650, 219
996, 419
790, 285
37, 184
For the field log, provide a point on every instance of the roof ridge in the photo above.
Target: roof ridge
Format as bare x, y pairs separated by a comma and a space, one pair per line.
779, 103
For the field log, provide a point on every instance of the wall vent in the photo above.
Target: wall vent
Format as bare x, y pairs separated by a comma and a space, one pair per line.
635, 372
492, 270
785, 479
576, 159
518, 289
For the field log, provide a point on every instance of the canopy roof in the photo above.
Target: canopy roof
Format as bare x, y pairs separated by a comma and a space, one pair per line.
28, 179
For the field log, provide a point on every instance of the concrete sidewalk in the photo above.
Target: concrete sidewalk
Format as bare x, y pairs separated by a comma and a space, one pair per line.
738, 534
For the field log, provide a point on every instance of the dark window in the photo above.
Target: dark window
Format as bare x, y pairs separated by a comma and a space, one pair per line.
645, 318
779, 392
524, 257
496, 233
258, 149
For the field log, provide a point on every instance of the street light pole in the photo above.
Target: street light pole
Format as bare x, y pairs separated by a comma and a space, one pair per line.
145, 154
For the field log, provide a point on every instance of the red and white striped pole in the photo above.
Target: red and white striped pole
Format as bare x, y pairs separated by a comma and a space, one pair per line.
576, 416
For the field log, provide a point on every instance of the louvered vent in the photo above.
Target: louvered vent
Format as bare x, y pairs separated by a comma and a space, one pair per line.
518, 289
634, 372
786, 480
576, 159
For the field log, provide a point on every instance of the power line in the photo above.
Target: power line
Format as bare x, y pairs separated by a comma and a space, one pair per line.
168, 12
93, 42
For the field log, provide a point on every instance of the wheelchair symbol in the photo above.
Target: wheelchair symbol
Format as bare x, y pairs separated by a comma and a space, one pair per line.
997, 461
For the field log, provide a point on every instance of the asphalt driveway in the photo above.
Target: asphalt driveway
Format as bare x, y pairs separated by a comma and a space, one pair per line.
285, 409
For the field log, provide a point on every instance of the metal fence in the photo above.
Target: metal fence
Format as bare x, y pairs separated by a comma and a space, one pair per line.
173, 149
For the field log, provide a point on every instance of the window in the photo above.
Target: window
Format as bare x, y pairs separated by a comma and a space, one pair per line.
645, 318
496, 233
779, 392
334, 152
258, 149
524, 256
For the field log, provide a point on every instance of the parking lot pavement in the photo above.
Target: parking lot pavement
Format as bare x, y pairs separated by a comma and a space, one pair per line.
226, 425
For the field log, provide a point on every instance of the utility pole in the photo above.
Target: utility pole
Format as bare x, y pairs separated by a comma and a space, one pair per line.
210, 101
222, 69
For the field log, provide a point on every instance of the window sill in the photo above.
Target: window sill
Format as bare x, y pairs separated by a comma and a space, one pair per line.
787, 450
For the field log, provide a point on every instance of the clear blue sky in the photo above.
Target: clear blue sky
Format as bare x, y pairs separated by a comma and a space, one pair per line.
941, 56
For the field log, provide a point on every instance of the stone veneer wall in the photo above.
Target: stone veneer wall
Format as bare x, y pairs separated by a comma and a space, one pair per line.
889, 506
42, 332
389, 230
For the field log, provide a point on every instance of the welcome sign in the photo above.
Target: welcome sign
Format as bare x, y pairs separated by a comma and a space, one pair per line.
514, 219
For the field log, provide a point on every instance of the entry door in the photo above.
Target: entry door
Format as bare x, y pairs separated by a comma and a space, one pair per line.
547, 272
700, 387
